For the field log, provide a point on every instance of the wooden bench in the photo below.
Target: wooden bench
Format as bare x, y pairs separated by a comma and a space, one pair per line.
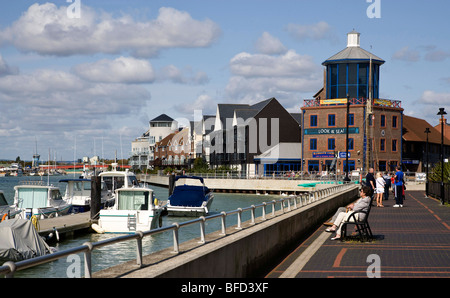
362, 226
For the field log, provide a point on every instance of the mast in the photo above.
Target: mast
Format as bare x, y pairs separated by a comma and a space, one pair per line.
369, 113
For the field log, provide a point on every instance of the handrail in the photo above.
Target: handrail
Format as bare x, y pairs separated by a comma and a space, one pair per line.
9, 268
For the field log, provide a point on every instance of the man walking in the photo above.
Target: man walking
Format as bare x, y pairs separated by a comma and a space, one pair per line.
387, 185
370, 180
398, 187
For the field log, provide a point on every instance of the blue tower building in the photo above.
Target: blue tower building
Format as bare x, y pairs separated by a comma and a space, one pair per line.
348, 72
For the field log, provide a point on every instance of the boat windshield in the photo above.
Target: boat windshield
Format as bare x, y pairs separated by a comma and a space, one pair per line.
32, 197
3, 200
133, 200
55, 194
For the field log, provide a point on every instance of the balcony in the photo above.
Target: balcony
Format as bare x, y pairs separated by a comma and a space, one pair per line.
308, 103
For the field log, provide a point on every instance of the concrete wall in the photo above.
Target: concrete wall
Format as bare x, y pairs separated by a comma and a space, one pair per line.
244, 185
249, 252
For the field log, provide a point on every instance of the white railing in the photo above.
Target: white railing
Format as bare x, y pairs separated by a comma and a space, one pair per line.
286, 204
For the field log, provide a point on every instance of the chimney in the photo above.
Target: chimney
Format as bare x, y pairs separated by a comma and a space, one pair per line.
353, 39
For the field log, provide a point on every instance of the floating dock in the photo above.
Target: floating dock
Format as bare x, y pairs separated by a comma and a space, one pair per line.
65, 225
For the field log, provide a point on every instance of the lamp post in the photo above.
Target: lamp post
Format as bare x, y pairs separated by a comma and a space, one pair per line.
427, 131
442, 113
346, 179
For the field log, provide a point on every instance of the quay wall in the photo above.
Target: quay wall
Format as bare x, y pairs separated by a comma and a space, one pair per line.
242, 253
261, 186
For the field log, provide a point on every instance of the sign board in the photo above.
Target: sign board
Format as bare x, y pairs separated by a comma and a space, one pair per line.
342, 154
332, 131
421, 177
323, 155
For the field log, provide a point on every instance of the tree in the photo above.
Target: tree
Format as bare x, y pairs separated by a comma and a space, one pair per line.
200, 165
437, 171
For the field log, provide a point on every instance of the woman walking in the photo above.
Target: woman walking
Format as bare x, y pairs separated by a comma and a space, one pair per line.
380, 183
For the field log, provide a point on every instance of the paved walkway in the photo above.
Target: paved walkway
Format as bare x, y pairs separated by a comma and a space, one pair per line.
413, 241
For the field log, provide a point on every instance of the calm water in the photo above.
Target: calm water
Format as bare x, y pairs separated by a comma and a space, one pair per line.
125, 251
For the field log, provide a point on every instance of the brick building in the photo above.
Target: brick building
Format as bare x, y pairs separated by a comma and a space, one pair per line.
374, 126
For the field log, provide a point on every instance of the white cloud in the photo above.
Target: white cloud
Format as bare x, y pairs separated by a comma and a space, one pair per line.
268, 44
47, 30
257, 76
405, 54
259, 65
434, 98
5, 69
204, 102
182, 76
120, 70
320, 31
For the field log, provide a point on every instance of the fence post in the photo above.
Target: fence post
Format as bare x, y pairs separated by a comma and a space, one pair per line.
202, 229
253, 214
139, 248
224, 227
239, 219
175, 237
264, 211
88, 260
12, 269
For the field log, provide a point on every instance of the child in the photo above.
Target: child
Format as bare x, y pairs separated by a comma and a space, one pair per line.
379, 189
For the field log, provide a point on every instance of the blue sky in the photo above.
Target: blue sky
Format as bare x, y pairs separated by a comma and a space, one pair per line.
96, 81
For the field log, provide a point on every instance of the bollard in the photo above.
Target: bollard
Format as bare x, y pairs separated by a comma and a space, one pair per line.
96, 193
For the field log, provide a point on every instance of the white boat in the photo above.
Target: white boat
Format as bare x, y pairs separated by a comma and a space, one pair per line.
135, 209
6, 210
190, 200
117, 179
78, 193
42, 201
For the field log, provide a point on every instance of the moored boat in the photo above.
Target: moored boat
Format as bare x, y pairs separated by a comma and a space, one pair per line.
135, 209
37, 199
78, 193
190, 200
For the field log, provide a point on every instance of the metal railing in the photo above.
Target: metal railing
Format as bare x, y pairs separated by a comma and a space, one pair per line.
286, 204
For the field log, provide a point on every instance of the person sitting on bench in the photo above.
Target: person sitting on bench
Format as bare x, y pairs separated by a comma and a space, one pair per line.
361, 205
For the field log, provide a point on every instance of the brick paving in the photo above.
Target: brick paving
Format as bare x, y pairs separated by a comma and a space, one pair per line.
410, 242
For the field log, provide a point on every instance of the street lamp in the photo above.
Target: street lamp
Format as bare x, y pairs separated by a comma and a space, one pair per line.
427, 131
442, 113
346, 179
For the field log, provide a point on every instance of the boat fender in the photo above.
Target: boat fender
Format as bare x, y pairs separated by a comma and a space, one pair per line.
56, 233
4, 216
155, 202
160, 221
97, 228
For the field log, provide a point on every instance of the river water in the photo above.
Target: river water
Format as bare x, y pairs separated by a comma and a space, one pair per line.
121, 252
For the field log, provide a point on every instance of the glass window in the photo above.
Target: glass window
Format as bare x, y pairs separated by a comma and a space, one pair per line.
32, 197
331, 144
394, 145
352, 73
313, 165
394, 121
133, 200
313, 120
351, 144
332, 120
313, 144
382, 144
351, 165
382, 165
383, 120
351, 119
342, 74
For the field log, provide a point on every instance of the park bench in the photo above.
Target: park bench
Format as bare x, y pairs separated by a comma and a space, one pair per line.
364, 233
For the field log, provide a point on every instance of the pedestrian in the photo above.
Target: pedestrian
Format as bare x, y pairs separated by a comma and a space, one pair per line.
387, 185
398, 188
380, 183
361, 205
370, 181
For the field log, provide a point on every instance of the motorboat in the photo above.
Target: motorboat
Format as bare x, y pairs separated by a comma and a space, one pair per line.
6, 210
19, 241
115, 179
190, 200
135, 209
78, 193
33, 198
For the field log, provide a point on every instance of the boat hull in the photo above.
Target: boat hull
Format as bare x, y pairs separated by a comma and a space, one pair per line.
189, 211
129, 221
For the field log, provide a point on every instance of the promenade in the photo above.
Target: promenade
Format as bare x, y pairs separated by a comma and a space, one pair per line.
410, 242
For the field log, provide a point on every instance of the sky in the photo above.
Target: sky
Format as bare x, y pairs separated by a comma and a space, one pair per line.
83, 78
